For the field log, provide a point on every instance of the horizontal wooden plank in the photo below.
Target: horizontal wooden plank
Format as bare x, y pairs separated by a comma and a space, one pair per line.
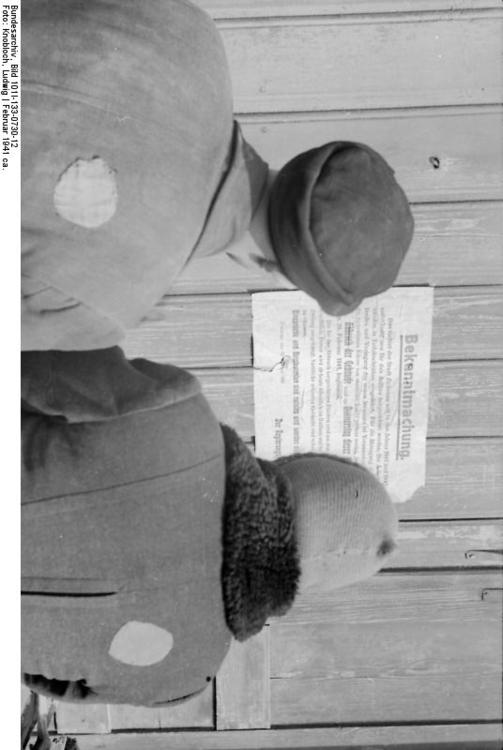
453, 245
274, 8
215, 330
424, 698
74, 717
416, 647
195, 713
99, 718
419, 597
399, 651
437, 154
466, 399
338, 63
464, 477
230, 394
196, 331
439, 737
467, 324
448, 544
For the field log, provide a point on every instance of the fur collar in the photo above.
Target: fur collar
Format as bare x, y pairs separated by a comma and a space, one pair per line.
260, 568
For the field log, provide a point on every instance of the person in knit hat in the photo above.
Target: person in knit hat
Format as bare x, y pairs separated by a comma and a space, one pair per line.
346, 525
132, 166
151, 536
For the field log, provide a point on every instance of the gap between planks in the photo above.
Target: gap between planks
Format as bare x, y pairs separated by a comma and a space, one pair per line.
330, 18
214, 330
466, 399
481, 736
418, 62
225, 9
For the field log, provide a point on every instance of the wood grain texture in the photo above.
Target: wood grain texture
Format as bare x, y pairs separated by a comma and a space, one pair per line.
73, 717
428, 698
440, 596
423, 647
466, 398
439, 544
243, 698
399, 651
273, 8
215, 330
464, 480
98, 718
467, 324
466, 142
454, 244
440, 737
195, 713
368, 63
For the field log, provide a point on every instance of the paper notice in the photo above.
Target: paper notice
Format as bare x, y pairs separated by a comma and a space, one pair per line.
355, 386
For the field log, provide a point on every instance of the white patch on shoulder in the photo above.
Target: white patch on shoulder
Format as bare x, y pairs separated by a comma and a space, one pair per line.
140, 644
86, 193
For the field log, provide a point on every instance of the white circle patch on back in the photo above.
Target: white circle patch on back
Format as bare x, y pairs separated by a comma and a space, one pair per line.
86, 193
140, 644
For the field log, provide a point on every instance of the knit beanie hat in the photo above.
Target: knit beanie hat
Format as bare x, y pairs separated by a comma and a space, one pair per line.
308, 522
345, 521
340, 224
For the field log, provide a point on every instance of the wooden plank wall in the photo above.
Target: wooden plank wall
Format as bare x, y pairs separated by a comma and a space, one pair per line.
413, 655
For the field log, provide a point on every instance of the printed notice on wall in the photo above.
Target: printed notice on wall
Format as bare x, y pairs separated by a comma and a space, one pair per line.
356, 386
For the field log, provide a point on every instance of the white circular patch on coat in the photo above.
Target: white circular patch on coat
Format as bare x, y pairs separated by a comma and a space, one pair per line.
86, 193
141, 644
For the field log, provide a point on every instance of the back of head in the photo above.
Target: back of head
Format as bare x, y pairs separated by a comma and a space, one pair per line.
340, 224
345, 521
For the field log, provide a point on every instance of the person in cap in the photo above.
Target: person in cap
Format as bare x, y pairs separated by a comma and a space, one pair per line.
132, 166
338, 224
151, 536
